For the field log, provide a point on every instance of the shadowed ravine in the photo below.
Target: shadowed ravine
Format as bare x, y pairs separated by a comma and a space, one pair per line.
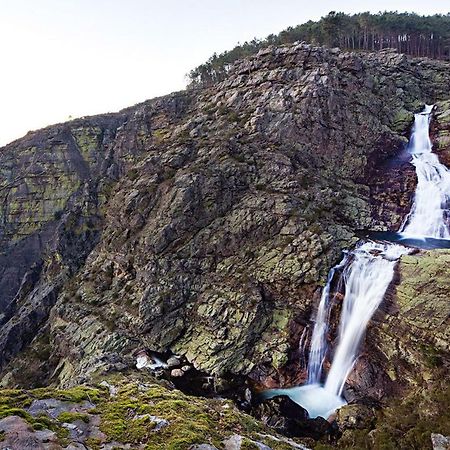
365, 275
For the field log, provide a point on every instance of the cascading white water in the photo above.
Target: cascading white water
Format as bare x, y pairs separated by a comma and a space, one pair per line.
302, 347
318, 349
366, 281
368, 271
429, 214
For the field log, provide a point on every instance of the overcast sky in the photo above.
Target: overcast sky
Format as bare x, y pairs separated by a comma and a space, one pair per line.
70, 58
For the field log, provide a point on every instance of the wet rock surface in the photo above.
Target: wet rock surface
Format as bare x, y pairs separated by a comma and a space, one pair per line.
277, 410
289, 418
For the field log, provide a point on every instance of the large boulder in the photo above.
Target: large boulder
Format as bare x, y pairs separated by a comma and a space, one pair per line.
289, 418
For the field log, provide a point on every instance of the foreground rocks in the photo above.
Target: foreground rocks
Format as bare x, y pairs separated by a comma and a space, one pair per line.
140, 415
288, 418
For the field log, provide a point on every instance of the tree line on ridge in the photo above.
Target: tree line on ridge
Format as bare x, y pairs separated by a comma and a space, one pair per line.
410, 33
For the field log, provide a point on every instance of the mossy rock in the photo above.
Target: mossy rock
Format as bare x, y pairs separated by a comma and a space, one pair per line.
141, 413
402, 121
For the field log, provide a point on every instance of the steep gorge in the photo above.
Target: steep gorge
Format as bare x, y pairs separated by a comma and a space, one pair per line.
204, 224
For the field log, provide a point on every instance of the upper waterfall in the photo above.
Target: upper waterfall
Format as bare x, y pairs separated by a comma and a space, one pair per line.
429, 216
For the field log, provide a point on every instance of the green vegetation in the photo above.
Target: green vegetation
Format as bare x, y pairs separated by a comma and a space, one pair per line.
140, 413
406, 424
128, 418
406, 32
94, 443
13, 403
75, 395
69, 417
133, 174
143, 412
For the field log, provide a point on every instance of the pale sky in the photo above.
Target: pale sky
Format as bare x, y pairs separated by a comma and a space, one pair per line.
62, 58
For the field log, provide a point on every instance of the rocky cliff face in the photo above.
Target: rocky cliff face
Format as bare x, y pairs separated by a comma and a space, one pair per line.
204, 223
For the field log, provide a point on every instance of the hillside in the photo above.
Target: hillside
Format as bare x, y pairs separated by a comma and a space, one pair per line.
202, 225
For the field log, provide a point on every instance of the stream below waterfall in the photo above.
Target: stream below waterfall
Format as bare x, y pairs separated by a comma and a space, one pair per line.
364, 275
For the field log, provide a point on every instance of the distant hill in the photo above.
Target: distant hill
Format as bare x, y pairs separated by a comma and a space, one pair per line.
408, 33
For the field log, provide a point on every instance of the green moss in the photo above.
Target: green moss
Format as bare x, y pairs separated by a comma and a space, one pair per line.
132, 174
402, 120
169, 173
13, 402
183, 136
76, 394
5, 412
406, 424
357, 439
69, 417
127, 417
233, 116
160, 134
16, 398
248, 445
88, 140
46, 194
209, 109
93, 443
275, 444
432, 356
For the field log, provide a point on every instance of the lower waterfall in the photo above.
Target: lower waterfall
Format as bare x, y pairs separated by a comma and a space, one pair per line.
365, 274
366, 281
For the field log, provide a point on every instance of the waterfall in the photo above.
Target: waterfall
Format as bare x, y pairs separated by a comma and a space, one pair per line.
366, 273
366, 281
318, 349
302, 347
430, 211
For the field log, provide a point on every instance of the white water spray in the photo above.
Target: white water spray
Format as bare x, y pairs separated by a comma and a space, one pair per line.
367, 273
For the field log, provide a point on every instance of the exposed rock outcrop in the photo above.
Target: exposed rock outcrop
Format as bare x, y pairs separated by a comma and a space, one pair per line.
290, 419
233, 203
